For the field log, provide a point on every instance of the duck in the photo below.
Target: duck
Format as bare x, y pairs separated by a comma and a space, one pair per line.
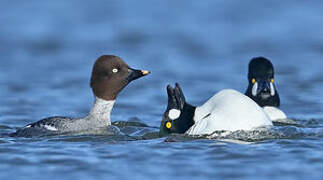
262, 88
227, 110
110, 75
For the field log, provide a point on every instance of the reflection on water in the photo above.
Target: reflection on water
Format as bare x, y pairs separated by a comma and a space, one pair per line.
48, 49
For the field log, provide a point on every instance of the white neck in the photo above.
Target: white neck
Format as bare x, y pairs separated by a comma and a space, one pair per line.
101, 111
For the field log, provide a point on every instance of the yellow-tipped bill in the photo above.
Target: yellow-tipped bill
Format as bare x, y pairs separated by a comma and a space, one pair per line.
145, 72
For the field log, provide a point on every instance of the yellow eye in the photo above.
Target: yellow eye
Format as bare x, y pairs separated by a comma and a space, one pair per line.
253, 80
168, 125
272, 80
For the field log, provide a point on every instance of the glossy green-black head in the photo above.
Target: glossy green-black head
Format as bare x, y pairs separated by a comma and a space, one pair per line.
261, 79
178, 117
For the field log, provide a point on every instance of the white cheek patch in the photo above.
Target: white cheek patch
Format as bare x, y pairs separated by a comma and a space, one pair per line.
255, 89
272, 89
174, 114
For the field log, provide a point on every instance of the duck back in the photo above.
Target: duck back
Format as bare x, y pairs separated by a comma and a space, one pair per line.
228, 110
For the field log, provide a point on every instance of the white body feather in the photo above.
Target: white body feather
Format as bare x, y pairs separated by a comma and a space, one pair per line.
274, 113
228, 110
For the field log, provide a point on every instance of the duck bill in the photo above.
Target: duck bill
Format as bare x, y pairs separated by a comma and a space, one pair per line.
263, 88
135, 74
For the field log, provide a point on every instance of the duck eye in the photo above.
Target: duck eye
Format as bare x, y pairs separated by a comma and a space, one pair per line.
115, 70
253, 81
272, 80
168, 125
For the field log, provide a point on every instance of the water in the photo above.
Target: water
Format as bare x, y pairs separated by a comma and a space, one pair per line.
48, 49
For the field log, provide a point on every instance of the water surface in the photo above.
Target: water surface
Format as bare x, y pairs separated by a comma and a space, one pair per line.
48, 49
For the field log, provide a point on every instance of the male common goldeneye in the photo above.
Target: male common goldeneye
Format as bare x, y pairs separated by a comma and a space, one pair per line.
228, 110
262, 87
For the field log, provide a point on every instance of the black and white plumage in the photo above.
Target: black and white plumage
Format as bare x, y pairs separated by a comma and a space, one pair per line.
262, 88
228, 110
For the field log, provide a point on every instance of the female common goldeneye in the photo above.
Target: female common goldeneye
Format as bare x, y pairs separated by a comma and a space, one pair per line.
262, 87
109, 76
227, 110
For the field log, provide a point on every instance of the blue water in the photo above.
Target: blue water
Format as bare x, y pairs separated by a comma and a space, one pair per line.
47, 49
